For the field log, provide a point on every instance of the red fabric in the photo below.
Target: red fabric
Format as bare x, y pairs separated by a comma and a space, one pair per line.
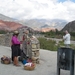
23, 38
29, 60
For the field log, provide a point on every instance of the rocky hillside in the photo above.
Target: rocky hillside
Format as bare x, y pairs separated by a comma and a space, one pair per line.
70, 27
9, 26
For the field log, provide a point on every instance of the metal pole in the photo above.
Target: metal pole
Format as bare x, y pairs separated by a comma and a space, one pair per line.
58, 58
72, 63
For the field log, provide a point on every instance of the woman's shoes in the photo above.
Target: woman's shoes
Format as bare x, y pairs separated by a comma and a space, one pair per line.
17, 65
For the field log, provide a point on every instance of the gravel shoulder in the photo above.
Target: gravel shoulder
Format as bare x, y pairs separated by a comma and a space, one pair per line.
47, 66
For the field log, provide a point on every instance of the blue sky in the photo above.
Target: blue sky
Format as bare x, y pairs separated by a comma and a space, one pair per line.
65, 0
40, 9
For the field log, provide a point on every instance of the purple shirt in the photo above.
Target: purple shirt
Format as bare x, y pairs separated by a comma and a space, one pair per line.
15, 40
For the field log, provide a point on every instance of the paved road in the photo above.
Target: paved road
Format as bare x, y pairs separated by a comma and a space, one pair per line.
47, 66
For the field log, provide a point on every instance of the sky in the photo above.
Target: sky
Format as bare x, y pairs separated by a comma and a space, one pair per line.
38, 9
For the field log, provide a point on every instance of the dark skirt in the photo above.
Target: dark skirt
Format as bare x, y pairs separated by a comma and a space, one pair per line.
16, 51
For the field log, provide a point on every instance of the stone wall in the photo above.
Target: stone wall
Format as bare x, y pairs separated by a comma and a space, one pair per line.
2, 39
5, 39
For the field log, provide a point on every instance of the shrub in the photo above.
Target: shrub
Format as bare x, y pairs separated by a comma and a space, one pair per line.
48, 44
51, 44
3, 32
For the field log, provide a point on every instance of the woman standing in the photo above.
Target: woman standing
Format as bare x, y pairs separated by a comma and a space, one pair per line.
26, 45
15, 48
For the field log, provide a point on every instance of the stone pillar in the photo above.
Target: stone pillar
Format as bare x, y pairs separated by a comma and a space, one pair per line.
35, 50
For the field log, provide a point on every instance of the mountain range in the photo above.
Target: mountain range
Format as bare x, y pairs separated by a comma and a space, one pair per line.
5, 18
44, 23
36, 24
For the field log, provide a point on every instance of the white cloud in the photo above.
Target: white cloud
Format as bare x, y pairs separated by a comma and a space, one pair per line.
27, 9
